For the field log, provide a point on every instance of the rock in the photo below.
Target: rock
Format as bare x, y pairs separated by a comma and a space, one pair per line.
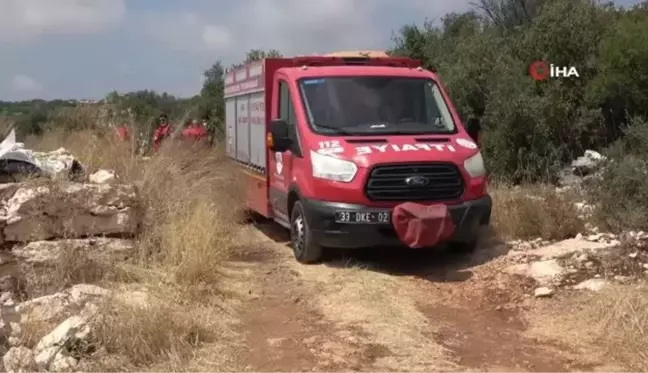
63, 363
6, 296
44, 357
543, 292
43, 308
594, 284
70, 210
524, 246
56, 305
583, 207
588, 163
60, 164
80, 293
53, 359
566, 247
567, 179
103, 177
579, 236
545, 269
74, 327
48, 252
9, 284
544, 272
581, 258
16, 330
14, 341
633, 255
19, 359
594, 237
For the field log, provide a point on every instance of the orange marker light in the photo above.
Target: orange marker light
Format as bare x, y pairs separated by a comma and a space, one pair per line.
269, 141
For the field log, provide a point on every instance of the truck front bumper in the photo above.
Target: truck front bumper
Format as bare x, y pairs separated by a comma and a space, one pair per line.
467, 216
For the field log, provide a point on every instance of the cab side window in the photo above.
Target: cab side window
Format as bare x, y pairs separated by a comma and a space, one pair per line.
287, 113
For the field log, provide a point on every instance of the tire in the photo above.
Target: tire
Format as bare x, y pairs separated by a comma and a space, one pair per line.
463, 247
306, 250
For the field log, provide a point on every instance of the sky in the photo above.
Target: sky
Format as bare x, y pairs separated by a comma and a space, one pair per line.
85, 48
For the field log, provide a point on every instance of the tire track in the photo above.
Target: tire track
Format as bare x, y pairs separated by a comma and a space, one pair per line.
388, 311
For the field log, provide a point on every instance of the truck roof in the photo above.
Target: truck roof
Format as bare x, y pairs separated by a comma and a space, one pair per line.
324, 71
254, 76
363, 53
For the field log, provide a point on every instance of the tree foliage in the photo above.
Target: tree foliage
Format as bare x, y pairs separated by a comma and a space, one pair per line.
532, 128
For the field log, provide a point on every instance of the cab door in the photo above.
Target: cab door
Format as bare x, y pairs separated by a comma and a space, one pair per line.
281, 164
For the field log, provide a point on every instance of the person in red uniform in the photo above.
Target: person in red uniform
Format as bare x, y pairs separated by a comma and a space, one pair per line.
123, 133
195, 132
163, 131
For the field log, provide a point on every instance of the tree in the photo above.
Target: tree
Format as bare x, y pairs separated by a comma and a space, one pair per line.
257, 55
533, 128
211, 101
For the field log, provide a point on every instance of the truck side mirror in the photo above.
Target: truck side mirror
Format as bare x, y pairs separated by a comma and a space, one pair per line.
279, 136
473, 127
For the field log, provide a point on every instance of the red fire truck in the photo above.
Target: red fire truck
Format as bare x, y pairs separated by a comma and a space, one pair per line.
351, 152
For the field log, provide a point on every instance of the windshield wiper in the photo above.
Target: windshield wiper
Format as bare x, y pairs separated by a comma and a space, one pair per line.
419, 128
338, 129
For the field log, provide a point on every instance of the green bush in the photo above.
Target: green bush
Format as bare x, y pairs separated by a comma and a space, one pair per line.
621, 194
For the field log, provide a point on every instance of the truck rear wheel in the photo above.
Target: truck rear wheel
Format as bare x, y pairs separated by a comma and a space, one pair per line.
304, 247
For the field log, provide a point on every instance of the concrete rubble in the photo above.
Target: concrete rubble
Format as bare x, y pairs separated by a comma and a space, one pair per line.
582, 169
579, 263
61, 211
58, 164
592, 259
42, 212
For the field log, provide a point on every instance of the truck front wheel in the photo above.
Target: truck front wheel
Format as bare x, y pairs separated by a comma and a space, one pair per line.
304, 247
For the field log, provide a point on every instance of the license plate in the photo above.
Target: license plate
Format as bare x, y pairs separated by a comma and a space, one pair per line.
363, 217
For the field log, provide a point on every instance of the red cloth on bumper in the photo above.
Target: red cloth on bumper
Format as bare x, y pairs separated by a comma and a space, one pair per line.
422, 226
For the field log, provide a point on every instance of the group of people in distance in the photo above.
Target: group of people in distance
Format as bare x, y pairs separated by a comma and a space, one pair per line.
193, 131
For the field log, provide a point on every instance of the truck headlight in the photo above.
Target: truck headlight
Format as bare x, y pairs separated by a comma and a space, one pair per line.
475, 165
330, 168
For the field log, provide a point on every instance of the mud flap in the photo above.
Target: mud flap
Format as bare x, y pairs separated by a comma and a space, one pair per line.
422, 226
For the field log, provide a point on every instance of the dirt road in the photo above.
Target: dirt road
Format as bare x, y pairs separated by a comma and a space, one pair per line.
382, 311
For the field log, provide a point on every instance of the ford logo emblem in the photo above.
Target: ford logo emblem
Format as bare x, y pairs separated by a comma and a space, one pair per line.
417, 181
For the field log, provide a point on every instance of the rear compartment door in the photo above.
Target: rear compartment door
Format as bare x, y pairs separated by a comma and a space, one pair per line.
281, 164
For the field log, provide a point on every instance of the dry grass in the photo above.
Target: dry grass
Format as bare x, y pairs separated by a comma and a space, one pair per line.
532, 211
623, 325
129, 336
192, 213
355, 296
610, 325
75, 265
191, 198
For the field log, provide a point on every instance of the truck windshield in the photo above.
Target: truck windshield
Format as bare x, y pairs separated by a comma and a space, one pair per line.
370, 105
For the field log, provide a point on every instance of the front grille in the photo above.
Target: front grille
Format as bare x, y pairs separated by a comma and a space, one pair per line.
387, 182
